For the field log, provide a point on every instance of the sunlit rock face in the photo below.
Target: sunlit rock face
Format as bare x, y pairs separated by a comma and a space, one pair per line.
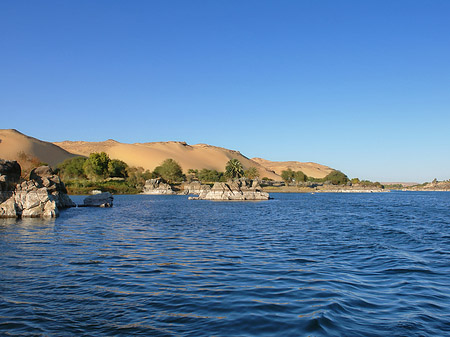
241, 189
41, 196
157, 186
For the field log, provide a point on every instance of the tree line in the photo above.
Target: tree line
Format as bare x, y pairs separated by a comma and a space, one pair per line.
298, 177
99, 167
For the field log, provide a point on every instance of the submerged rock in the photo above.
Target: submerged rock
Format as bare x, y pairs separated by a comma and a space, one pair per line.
157, 186
41, 196
241, 189
104, 199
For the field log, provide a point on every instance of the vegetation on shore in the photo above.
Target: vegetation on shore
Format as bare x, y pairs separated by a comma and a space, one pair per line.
298, 178
99, 172
82, 175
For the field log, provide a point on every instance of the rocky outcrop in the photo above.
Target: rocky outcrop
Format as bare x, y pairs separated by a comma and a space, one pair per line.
195, 187
241, 190
44, 178
10, 172
104, 199
41, 196
157, 186
435, 185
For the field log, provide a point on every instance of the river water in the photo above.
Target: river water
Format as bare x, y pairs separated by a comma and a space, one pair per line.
298, 265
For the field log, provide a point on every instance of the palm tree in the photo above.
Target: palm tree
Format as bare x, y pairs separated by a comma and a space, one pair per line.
234, 169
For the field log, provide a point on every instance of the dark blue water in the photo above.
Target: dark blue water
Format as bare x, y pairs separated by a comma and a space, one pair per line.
299, 265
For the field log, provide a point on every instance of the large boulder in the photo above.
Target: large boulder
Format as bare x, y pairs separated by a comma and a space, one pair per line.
41, 196
104, 199
241, 189
44, 177
10, 172
157, 186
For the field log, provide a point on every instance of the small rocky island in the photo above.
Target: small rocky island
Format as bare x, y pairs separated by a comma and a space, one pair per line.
237, 190
157, 186
43, 195
102, 199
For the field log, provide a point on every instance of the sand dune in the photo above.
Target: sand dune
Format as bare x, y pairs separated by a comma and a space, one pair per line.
12, 142
150, 155
310, 169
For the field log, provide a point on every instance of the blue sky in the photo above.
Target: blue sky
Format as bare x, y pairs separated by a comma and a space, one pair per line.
361, 86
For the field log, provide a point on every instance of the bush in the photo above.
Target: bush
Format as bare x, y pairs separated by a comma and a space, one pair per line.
251, 173
170, 171
72, 168
137, 176
205, 175
96, 166
86, 186
117, 168
355, 181
300, 177
336, 178
288, 176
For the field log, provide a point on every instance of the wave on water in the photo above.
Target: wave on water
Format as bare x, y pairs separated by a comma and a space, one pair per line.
299, 265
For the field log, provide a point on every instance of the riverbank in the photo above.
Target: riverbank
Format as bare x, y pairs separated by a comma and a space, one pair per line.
322, 189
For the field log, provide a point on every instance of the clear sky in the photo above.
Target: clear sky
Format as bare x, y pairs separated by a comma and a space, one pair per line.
361, 86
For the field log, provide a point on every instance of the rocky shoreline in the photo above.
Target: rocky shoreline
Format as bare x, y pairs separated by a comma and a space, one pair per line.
43, 195
434, 186
157, 187
237, 190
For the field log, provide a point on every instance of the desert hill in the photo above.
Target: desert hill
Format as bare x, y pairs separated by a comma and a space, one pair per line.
147, 155
150, 155
310, 169
13, 143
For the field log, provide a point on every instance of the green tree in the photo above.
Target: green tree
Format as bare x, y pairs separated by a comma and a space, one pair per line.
355, 181
251, 173
96, 166
336, 178
288, 176
208, 176
72, 168
234, 169
117, 168
300, 177
170, 171
192, 174
137, 176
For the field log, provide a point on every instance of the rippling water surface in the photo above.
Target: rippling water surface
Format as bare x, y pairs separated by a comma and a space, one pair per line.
302, 264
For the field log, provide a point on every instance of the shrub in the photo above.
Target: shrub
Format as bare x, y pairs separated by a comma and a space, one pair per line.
205, 175
170, 171
288, 176
300, 177
72, 168
96, 166
251, 173
336, 178
117, 168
